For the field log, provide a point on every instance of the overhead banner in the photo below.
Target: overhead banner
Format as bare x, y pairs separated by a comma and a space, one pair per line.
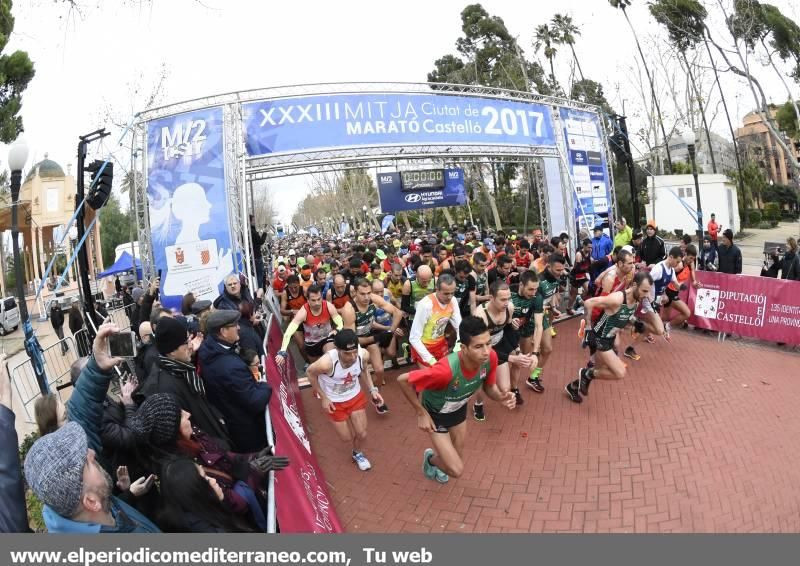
188, 206
395, 195
758, 307
311, 123
302, 501
588, 166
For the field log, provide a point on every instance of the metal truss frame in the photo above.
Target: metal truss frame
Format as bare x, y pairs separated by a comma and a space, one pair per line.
240, 169
292, 91
266, 167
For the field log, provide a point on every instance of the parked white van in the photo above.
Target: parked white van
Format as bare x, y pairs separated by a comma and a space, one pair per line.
9, 315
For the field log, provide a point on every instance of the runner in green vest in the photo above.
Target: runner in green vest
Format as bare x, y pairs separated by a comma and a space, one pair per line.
549, 282
444, 391
618, 310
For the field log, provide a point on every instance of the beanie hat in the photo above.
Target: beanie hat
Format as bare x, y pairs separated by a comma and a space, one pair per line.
170, 335
157, 420
136, 294
54, 468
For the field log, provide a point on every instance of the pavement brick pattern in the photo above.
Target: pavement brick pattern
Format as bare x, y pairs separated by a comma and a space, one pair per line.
701, 436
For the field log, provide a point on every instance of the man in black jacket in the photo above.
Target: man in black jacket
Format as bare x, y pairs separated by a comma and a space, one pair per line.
176, 374
231, 387
57, 320
258, 241
653, 249
729, 254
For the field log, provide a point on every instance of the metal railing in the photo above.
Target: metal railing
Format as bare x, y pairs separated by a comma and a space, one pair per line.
57, 363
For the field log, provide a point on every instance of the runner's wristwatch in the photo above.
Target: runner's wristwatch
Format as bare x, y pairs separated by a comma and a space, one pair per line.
283, 354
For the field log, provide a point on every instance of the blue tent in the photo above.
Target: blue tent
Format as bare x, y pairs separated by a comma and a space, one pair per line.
123, 264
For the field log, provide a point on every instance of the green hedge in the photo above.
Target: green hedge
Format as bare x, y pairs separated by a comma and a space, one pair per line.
754, 217
772, 211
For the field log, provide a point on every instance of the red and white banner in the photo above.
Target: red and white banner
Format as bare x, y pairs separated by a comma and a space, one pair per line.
302, 501
759, 307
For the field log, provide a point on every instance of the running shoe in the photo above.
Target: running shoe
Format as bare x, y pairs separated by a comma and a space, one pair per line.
578, 303
361, 461
584, 381
427, 467
553, 332
432, 472
667, 331
477, 412
535, 384
572, 392
520, 400
381, 409
631, 353
405, 348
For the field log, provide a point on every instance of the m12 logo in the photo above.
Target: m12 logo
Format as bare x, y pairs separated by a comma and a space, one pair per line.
183, 140
453, 175
386, 179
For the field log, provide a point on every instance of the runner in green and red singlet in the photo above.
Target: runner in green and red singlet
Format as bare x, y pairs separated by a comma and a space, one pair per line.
444, 391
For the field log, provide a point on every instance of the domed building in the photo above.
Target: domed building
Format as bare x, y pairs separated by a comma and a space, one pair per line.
47, 202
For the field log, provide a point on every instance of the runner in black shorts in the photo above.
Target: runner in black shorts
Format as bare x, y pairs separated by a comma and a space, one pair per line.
444, 390
498, 314
317, 317
618, 310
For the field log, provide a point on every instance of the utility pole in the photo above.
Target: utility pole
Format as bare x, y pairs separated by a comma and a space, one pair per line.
83, 257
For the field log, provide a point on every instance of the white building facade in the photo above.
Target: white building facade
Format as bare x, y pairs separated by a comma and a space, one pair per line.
673, 203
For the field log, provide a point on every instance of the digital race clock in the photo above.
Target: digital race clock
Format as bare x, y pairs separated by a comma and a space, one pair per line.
417, 180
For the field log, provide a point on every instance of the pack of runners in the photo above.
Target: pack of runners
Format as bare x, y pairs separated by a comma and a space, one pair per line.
473, 312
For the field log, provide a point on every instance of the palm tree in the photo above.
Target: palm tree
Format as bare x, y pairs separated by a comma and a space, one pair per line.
567, 32
622, 5
547, 38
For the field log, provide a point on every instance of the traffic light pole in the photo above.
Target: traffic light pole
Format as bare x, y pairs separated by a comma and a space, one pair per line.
90, 313
623, 127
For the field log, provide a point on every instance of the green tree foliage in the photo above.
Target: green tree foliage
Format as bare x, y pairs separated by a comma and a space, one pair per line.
591, 92
16, 71
488, 55
567, 32
787, 120
115, 229
754, 23
683, 19
772, 211
753, 182
545, 40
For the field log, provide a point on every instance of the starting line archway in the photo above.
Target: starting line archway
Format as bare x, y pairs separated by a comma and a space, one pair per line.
195, 159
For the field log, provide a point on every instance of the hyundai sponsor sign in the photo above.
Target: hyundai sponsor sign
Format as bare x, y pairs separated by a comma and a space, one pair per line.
394, 197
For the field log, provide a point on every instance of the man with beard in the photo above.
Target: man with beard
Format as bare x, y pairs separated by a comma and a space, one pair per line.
61, 467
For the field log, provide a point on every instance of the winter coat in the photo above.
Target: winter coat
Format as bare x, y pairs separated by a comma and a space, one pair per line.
146, 359
791, 266
730, 259
75, 320
119, 442
85, 405
601, 246
128, 520
204, 414
249, 337
707, 260
653, 250
231, 388
56, 318
13, 516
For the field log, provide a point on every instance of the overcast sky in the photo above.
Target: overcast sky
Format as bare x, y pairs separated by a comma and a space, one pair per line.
110, 54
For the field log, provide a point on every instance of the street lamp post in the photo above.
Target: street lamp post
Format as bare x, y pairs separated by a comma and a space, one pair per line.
690, 144
17, 156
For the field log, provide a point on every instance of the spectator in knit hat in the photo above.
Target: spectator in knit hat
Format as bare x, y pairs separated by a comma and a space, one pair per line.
62, 471
166, 432
175, 373
230, 383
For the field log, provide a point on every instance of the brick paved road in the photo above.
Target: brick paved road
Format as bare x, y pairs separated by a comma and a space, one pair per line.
711, 449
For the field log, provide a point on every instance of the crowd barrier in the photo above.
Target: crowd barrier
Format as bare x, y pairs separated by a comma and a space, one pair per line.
302, 501
56, 369
758, 307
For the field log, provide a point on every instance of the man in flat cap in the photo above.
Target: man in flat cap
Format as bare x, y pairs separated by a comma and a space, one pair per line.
230, 383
